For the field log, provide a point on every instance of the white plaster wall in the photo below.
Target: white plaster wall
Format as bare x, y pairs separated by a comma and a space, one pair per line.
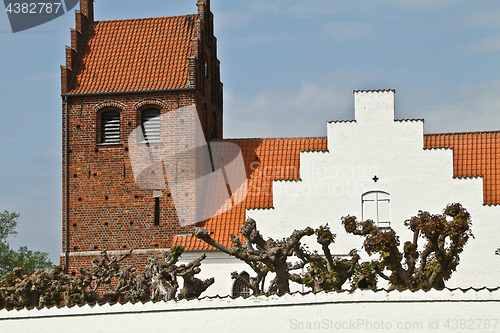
218, 265
332, 183
358, 311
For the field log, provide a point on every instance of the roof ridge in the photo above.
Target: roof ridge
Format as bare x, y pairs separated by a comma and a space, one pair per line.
277, 138
145, 18
470, 132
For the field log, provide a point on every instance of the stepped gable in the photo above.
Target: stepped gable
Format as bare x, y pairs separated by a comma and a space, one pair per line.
475, 154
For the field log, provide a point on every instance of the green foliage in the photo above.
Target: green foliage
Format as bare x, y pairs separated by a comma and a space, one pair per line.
176, 251
308, 281
8, 280
39, 288
325, 236
444, 236
8, 224
365, 276
326, 272
29, 260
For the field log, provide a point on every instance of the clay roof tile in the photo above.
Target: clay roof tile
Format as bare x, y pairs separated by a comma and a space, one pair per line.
277, 154
132, 55
472, 158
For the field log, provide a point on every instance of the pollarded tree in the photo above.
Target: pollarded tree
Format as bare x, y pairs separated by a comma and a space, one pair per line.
85, 288
324, 271
106, 280
163, 276
158, 280
37, 289
263, 256
445, 236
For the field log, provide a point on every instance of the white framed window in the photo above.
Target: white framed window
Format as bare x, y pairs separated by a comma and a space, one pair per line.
376, 207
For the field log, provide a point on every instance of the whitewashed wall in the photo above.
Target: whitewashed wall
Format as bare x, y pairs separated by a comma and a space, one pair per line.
219, 266
333, 182
359, 311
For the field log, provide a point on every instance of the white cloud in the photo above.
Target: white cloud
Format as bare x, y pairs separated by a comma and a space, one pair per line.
301, 112
487, 45
470, 108
304, 111
483, 18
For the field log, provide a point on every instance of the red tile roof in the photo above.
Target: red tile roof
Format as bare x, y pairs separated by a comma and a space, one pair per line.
474, 155
135, 55
265, 160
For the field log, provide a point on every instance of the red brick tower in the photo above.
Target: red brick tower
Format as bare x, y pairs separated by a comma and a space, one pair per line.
119, 74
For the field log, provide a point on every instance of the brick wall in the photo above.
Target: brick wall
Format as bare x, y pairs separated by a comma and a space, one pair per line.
138, 259
107, 210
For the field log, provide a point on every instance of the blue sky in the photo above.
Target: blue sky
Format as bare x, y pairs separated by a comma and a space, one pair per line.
288, 66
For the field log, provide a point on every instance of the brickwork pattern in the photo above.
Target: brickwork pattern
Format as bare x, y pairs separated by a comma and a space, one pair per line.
107, 210
137, 260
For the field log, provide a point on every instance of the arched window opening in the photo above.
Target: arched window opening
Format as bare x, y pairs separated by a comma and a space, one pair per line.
151, 125
376, 207
110, 126
239, 289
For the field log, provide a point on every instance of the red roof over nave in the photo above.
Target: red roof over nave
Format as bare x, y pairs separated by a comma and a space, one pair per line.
475, 154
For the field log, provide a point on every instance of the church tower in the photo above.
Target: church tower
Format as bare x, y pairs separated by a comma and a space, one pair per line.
118, 75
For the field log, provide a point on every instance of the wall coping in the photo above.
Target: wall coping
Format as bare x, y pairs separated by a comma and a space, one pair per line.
446, 295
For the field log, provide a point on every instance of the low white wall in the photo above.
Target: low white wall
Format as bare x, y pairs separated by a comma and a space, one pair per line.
358, 311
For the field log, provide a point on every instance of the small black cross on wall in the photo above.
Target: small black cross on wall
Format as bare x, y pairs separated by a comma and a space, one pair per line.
375, 178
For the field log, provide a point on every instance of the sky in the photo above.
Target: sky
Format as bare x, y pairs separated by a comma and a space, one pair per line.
288, 67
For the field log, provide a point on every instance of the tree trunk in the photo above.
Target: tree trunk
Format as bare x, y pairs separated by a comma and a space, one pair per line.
282, 277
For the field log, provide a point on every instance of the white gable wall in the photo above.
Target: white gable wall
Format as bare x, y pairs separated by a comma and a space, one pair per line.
333, 182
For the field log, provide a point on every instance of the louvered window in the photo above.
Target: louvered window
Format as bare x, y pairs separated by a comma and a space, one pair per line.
151, 125
110, 127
